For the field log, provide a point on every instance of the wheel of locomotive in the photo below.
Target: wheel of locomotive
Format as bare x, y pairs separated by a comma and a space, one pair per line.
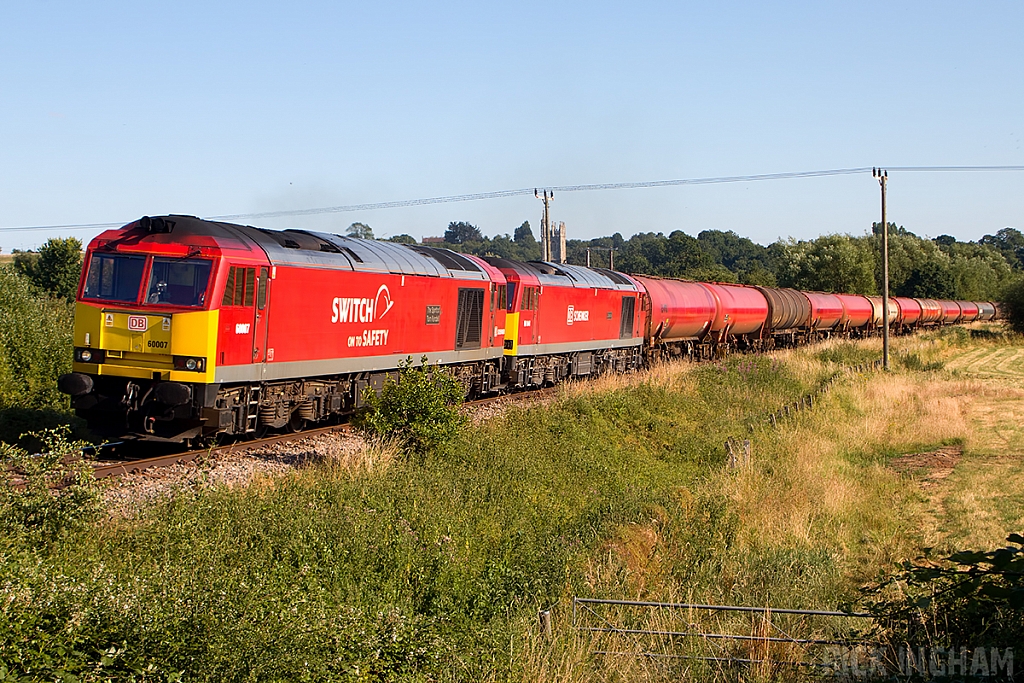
261, 432
296, 423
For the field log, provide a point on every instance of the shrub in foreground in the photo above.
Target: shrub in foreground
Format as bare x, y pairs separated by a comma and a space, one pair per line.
30, 504
969, 598
419, 409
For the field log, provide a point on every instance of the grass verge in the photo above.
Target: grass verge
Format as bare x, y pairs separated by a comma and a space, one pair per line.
434, 568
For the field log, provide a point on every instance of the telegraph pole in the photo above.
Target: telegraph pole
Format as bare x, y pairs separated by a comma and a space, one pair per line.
883, 176
547, 196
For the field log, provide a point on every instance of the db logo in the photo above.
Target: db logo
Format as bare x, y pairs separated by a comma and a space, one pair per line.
138, 323
576, 316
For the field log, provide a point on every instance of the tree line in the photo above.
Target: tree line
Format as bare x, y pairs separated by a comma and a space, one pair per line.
940, 268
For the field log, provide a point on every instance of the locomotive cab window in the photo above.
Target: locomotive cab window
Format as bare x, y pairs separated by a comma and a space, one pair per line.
178, 282
114, 277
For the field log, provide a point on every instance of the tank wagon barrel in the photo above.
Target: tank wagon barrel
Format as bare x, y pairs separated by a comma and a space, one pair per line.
741, 310
910, 310
857, 311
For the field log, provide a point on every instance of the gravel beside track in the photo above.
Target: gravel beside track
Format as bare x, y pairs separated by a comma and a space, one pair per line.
232, 466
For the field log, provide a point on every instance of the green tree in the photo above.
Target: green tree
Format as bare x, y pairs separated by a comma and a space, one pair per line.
524, 235
360, 230
1012, 301
740, 255
461, 232
831, 263
403, 239
931, 279
57, 268
1009, 242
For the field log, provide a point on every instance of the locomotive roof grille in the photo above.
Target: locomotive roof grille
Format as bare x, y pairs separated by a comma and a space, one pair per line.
566, 275
449, 259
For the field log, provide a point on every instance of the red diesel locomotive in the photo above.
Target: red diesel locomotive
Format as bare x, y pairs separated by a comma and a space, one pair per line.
186, 328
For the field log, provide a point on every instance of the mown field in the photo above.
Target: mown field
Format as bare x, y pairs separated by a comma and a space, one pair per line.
385, 567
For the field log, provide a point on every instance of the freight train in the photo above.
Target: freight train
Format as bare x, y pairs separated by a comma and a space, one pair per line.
186, 329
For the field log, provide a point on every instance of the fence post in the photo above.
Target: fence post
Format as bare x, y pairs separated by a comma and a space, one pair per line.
544, 617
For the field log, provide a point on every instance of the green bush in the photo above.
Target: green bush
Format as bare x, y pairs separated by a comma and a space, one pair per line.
913, 361
1013, 305
970, 597
47, 494
35, 348
847, 353
419, 410
35, 344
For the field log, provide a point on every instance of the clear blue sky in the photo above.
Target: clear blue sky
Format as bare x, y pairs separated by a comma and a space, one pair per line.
113, 110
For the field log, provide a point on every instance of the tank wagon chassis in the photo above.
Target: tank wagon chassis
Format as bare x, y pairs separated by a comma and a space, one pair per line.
186, 329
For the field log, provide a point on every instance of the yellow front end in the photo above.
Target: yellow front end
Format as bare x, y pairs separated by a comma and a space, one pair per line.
512, 334
143, 345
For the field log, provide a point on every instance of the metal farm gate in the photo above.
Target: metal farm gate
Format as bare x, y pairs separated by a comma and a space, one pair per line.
719, 636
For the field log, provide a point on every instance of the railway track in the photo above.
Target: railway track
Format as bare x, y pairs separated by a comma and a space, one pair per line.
103, 469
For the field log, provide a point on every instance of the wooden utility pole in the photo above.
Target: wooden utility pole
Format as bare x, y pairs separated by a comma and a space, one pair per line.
547, 196
883, 177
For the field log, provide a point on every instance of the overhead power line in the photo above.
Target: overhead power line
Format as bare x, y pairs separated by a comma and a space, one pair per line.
718, 180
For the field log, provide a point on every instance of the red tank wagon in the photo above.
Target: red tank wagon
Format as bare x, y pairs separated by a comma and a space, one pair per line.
968, 311
950, 312
910, 311
679, 313
931, 312
826, 311
741, 313
856, 311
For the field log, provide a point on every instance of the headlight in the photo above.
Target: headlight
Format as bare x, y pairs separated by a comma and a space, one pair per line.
190, 364
83, 355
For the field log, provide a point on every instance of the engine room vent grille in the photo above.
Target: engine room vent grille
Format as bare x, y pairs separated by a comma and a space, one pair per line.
469, 320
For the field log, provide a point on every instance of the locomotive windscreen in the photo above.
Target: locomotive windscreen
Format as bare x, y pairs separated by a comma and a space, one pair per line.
114, 277
178, 282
